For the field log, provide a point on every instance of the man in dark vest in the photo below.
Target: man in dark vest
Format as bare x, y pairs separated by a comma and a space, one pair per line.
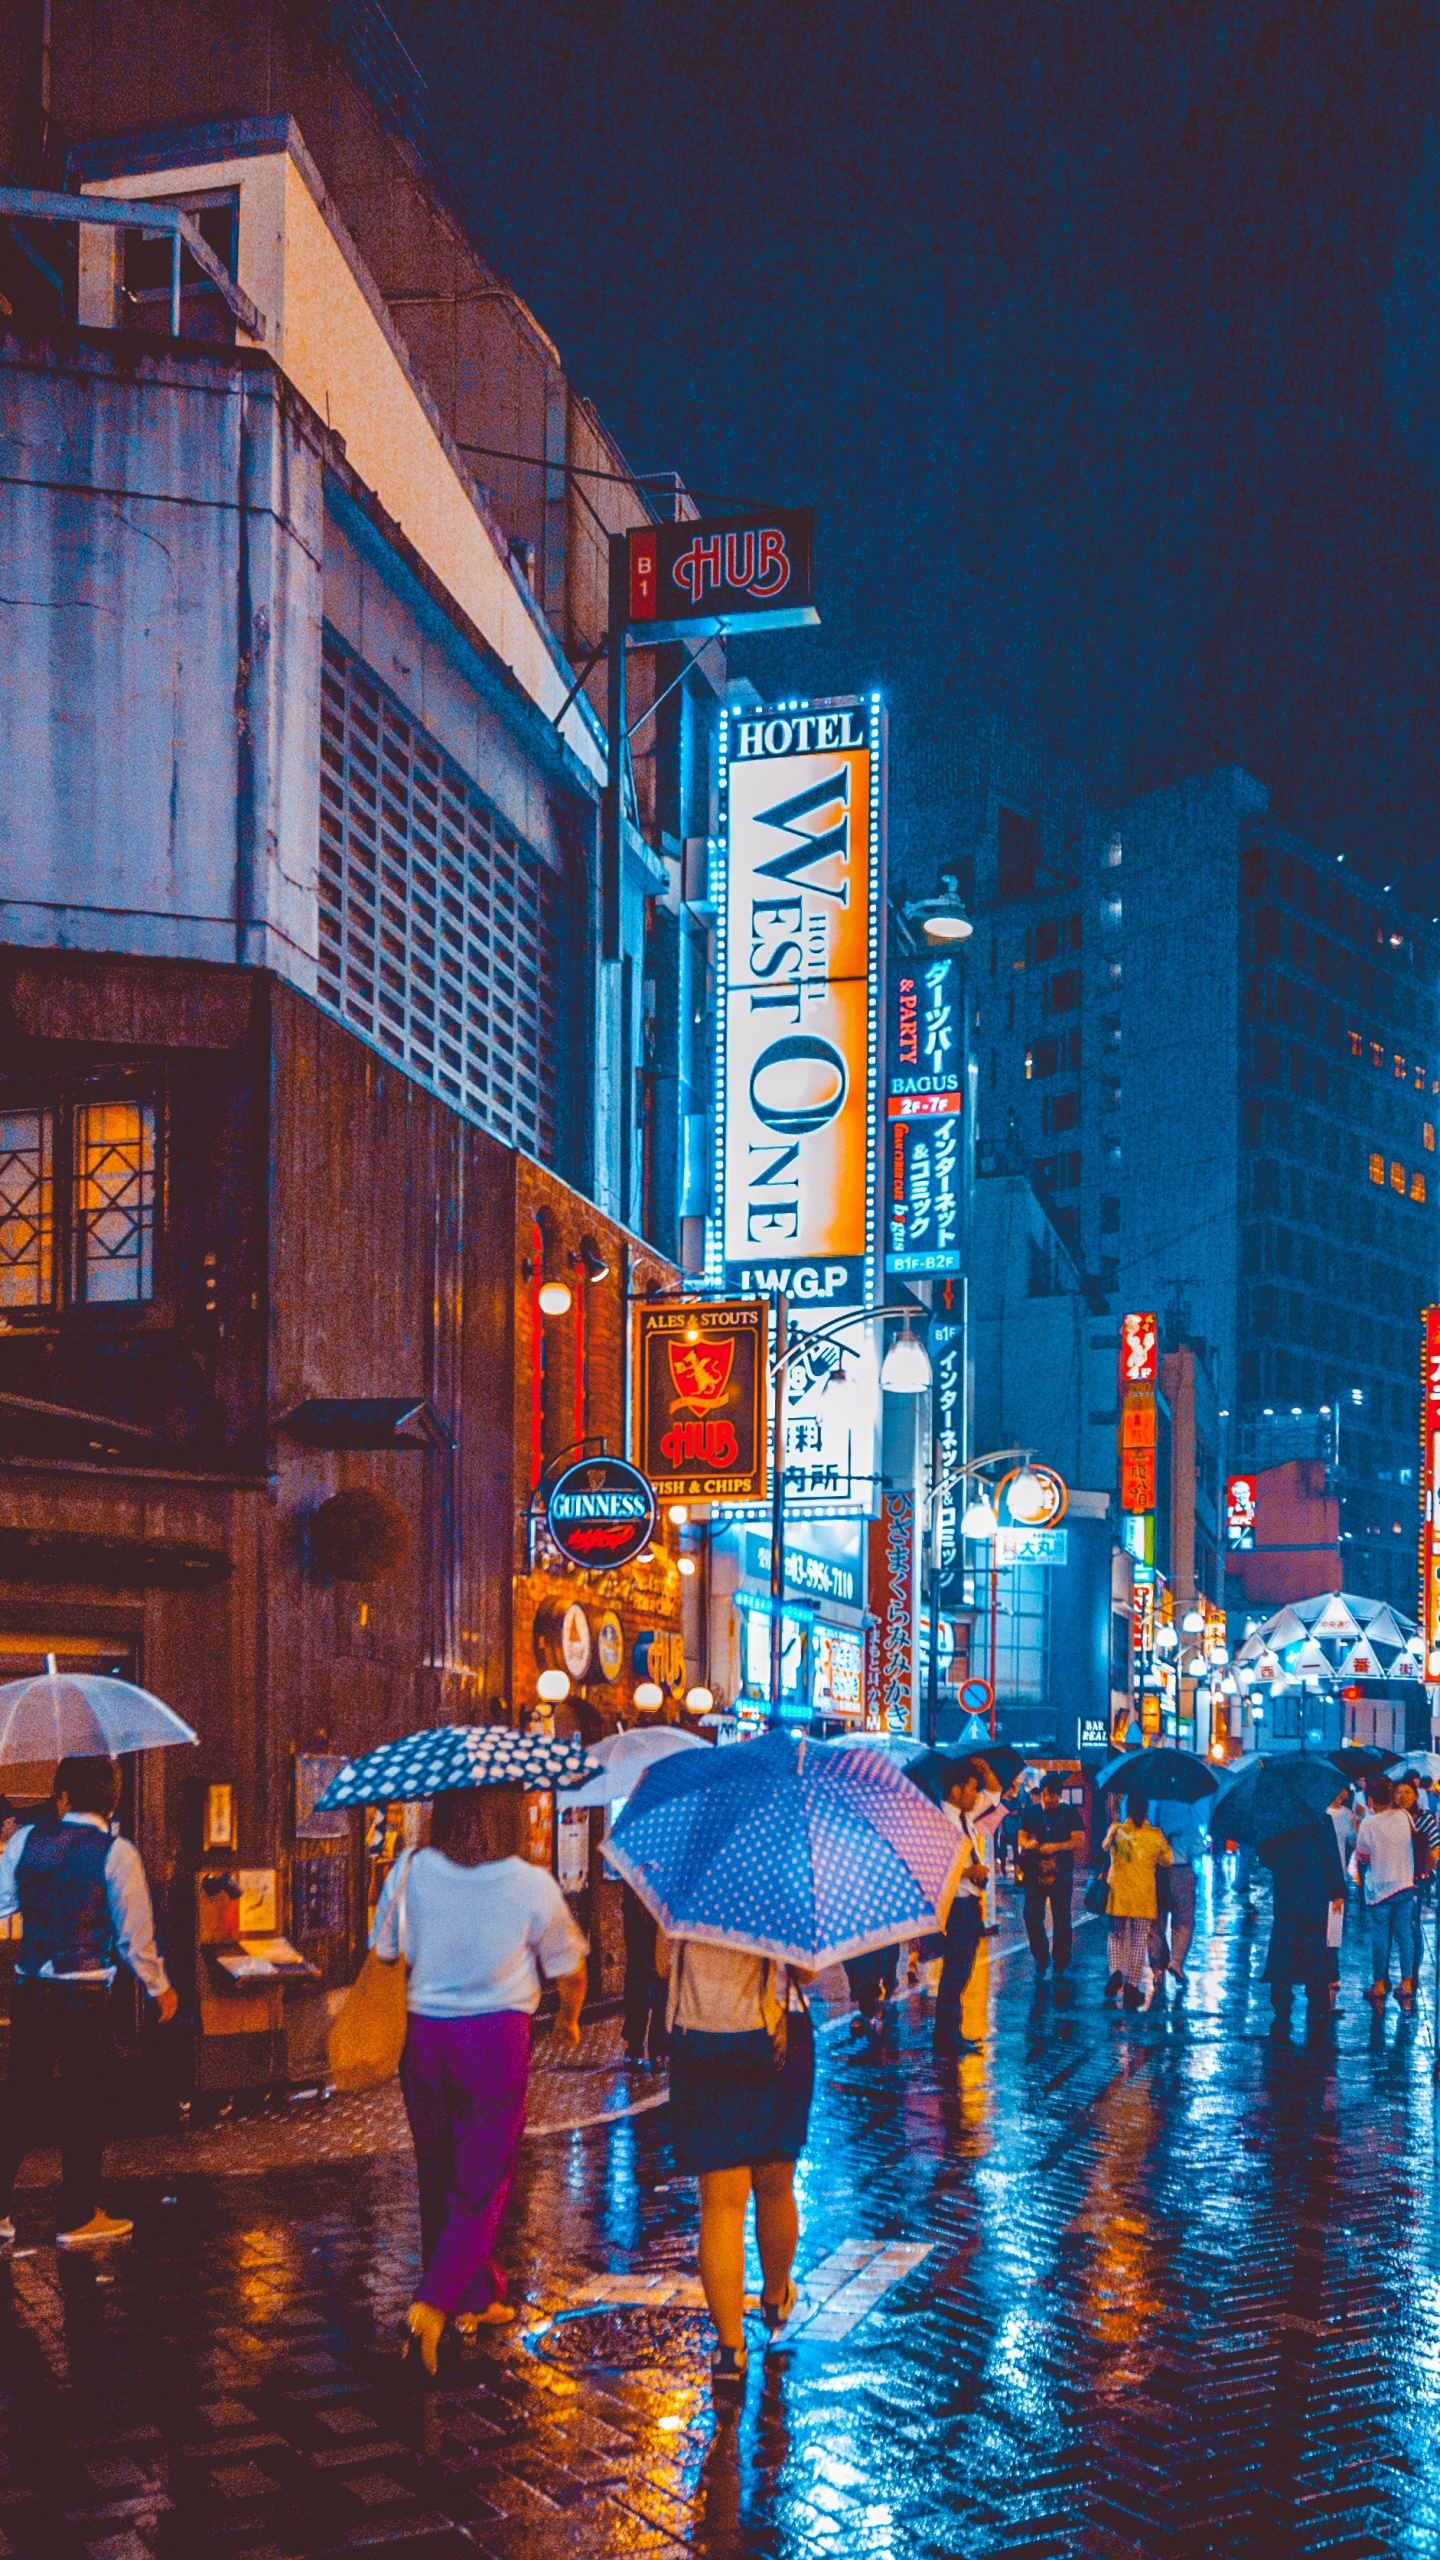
84, 1908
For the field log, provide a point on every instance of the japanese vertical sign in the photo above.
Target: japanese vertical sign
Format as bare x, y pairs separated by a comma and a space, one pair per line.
1430, 1481
890, 1673
947, 1362
924, 1173
1139, 1372
798, 951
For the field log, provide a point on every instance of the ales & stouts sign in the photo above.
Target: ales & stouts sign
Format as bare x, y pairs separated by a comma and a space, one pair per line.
700, 1398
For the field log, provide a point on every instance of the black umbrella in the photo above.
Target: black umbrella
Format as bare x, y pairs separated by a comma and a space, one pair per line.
1162, 1776
1002, 1757
1358, 1759
1272, 1794
934, 1773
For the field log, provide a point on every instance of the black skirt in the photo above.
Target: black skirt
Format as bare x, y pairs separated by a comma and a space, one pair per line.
724, 2118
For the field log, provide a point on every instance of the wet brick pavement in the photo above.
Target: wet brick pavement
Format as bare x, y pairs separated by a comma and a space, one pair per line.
1179, 2295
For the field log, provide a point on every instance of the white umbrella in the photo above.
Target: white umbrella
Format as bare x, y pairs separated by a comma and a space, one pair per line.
65, 1714
624, 1759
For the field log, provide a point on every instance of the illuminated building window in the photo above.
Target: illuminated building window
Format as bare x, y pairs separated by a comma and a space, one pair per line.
1397, 1177
1428, 1134
440, 930
27, 1240
1399, 1066
114, 1202
1417, 1186
1421, 1077
1377, 1054
1357, 1044
1377, 1169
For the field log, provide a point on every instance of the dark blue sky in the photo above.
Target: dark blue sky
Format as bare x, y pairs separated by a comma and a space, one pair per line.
1101, 332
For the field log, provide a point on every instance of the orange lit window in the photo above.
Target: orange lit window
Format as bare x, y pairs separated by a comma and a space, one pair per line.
1377, 1054
1377, 1168
1357, 1045
1399, 1066
1428, 1134
1397, 1177
1417, 1186
1420, 1075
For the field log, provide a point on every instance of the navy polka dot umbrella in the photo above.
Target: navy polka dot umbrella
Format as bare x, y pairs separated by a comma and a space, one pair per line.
457, 1755
777, 1848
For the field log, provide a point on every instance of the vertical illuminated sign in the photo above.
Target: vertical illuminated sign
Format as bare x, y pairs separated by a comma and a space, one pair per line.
798, 952
1240, 1502
1430, 1479
890, 1680
1139, 1373
924, 1169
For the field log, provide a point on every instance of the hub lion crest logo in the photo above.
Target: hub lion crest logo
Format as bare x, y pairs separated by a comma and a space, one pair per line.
700, 1372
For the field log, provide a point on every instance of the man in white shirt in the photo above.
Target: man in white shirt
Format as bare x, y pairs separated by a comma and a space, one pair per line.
965, 1926
84, 1908
1385, 1864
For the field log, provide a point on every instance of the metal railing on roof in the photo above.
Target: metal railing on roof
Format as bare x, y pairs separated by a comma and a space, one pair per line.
128, 213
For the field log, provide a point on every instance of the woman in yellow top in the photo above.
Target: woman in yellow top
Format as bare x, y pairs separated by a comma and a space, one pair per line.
1136, 1849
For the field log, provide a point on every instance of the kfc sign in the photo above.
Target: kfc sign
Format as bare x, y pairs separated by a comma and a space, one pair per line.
1239, 1511
1139, 1351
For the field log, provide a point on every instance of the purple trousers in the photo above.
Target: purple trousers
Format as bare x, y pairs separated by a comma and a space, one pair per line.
464, 2083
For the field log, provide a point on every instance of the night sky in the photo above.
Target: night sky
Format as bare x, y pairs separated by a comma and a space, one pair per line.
1102, 334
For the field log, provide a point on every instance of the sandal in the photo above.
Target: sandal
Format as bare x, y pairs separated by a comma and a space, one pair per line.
777, 2313
467, 2323
729, 2369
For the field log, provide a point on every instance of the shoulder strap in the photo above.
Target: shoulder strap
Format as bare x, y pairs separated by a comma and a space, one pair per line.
401, 1896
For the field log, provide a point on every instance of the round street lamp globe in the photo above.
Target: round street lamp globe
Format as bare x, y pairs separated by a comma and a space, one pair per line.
905, 1369
649, 1696
979, 1519
951, 927
552, 1686
698, 1702
1192, 1623
554, 1298
1030, 1498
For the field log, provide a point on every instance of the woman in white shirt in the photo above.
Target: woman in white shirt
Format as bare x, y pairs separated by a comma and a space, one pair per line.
478, 1926
742, 2070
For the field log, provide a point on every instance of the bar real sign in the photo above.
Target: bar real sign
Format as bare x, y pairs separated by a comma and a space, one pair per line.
700, 1400
749, 573
798, 954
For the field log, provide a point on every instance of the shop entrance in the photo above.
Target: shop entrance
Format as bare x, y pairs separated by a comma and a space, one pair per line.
25, 1786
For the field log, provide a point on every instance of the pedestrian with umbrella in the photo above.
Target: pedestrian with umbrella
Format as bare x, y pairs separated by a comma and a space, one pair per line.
763, 1865
1137, 1849
480, 1930
1051, 1836
1385, 1864
1279, 1807
624, 1759
84, 1908
1177, 1784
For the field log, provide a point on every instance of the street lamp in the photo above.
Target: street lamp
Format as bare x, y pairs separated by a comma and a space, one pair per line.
942, 919
980, 1521
905, 1370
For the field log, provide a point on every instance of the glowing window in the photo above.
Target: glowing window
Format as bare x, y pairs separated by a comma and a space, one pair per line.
1397, 1177
1428, 1134
1357, 1045
1399, 1066
115, 1202
1377, 1169
1377, 1054
1417, 1186
1421, 1076
26, 1231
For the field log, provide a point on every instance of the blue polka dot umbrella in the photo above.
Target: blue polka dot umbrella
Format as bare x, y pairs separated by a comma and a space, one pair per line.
457, 1755
779, 1848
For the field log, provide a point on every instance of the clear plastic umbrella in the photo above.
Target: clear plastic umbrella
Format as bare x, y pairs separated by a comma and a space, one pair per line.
625, 1757
64, 1714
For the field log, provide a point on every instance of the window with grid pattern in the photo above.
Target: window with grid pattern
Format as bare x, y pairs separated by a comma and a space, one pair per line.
439, 927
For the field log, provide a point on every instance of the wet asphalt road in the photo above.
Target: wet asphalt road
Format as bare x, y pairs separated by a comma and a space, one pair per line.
1165, 2285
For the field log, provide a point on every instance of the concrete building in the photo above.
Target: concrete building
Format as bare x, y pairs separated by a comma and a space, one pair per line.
1219, 1054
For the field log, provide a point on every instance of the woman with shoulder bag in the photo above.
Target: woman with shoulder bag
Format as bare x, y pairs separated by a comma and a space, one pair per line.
742, 2070
479, 1927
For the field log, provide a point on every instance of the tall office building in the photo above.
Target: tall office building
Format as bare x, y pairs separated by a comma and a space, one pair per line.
1217, 1051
